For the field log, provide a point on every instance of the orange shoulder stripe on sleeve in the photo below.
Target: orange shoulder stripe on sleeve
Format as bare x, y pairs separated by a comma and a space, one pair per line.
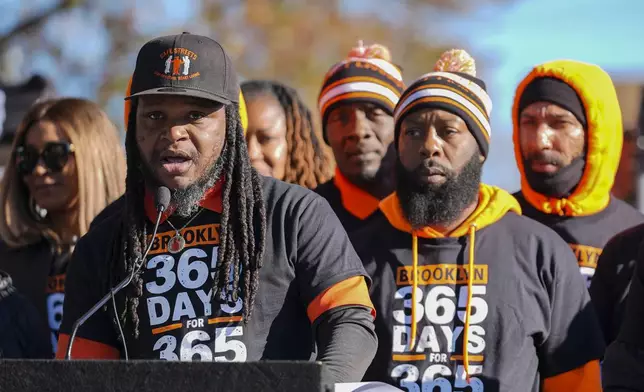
351, 291
86, 349
585, 378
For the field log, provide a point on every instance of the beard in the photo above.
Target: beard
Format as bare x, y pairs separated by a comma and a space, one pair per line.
186, 200
437, 204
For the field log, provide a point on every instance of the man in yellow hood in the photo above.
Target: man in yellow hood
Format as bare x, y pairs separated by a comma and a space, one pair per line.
568, 143
469, 294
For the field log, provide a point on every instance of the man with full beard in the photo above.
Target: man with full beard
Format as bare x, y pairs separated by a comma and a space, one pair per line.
356, 103
244, 267
451, 257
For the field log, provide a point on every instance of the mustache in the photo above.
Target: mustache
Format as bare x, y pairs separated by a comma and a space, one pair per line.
550, 157
430, 164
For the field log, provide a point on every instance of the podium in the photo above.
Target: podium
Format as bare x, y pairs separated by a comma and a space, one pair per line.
162, 376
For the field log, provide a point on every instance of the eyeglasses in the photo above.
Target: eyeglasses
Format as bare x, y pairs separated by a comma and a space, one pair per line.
54, 155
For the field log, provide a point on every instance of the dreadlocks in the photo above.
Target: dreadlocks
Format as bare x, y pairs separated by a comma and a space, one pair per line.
243, 224
307, 163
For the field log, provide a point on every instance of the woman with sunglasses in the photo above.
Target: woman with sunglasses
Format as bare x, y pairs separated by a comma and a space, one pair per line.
67, 164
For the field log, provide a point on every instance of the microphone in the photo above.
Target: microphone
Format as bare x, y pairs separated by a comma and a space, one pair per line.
162, 200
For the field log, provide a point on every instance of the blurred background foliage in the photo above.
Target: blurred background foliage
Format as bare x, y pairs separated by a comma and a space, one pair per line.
88, 48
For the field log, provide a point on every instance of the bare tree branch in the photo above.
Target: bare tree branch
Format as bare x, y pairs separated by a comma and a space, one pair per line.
36, 21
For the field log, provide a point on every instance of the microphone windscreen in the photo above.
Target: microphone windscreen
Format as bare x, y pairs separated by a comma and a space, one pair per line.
163, 197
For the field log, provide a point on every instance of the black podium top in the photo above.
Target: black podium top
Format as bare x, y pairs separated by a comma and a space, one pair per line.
161, 376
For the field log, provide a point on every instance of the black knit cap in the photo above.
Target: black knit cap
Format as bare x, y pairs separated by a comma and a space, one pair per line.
556, 91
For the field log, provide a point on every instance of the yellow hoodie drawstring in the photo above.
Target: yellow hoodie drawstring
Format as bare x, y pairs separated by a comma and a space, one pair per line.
414, 287
468, 306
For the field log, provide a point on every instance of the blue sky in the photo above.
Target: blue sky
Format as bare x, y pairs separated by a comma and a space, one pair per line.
533, 31
507, 39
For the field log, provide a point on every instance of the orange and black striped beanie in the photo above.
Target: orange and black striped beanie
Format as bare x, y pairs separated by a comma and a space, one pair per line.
454, 87
366, 75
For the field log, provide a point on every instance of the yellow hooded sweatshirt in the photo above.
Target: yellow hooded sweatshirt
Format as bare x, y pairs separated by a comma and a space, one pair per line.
589, 217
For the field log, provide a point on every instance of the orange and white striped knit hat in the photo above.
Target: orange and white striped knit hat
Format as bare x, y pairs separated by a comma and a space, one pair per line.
453, 86
366, 75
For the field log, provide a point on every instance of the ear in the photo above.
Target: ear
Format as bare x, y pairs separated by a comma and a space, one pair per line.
479, 152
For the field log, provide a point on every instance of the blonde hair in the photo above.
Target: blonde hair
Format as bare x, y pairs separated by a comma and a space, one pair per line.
100, 166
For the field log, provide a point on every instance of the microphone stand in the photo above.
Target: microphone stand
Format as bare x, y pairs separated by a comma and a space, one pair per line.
120, 286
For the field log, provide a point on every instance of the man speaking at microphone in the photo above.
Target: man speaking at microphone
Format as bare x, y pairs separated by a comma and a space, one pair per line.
243, 267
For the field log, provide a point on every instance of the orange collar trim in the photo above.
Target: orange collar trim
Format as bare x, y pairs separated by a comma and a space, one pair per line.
359, 203
211, 201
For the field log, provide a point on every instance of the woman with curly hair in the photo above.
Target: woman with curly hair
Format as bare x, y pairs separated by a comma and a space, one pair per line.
281, 137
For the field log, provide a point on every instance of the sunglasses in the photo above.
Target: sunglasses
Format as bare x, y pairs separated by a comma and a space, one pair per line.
54, 155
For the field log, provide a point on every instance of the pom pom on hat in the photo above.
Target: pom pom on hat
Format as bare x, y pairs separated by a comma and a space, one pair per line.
375, 51
456, 60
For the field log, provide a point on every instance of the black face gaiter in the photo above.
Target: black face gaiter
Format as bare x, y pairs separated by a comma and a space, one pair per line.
560, 184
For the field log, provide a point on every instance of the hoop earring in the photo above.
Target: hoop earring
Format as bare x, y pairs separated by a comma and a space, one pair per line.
38, 212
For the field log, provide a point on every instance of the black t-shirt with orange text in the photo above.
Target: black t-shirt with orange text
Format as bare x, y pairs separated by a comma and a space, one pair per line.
307, 255
531, 316
55, 294
38, 272
587, 235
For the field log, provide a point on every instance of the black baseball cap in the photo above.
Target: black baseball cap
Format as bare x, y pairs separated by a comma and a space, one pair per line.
185, 64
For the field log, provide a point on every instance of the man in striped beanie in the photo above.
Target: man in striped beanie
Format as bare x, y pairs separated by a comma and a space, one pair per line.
444, 99
469, 294
356, 103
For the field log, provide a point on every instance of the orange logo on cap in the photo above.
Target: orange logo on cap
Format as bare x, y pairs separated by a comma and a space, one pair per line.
177, 63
